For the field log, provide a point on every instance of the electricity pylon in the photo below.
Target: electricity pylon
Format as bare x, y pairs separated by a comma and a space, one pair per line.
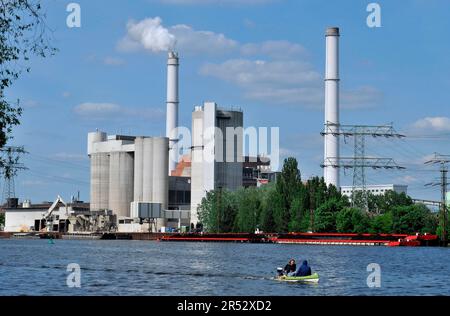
360, 162
443, 161
10, 165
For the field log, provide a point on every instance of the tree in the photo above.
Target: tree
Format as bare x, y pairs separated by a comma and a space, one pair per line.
22, 35
217, 211
382, 224
299, 213
413, 219
2, 219
344, 220
325, 215
352, 220
249, 205
287, 187
267, 219
380, 204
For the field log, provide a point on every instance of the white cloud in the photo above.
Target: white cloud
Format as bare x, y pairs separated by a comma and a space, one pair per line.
149, 34
286, 81
191, 41
251, 73
278, 82
274, 49
434, 124
108, 111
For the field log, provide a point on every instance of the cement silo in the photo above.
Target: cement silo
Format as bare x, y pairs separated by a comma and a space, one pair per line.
151, 178
160, 177
332, 125
138, 168
147, 171
99, 172
121, 182
99, 181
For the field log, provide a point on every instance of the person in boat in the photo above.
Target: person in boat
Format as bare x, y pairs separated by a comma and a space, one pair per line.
290, 268
304, 270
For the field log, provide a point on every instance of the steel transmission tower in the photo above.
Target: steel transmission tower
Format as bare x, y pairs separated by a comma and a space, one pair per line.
360, 162
10, 165
443, 161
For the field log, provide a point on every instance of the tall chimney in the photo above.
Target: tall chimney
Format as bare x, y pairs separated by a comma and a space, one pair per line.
172, 109
332, 125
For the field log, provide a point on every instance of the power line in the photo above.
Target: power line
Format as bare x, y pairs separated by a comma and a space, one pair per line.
360, 161
10, 166
442, 161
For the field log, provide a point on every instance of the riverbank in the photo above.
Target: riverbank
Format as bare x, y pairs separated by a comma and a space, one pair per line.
391, 240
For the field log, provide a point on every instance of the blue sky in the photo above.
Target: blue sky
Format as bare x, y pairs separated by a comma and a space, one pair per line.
265, 56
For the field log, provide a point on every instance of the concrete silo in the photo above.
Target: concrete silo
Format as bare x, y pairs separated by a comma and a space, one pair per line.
99, 173
121, 182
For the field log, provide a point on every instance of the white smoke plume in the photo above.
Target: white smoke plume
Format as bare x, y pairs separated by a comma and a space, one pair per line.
148, 33
151, 35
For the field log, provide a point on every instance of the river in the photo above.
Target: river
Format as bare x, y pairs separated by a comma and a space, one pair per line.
35, 267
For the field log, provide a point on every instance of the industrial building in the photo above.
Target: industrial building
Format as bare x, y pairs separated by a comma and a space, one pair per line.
257, 172
216, 152
142, 184
376, 189
28, 217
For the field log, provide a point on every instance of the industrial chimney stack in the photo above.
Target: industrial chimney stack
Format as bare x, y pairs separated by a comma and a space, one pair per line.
332, 125
172, 109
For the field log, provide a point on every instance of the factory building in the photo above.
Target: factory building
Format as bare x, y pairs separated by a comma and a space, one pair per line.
28, 217
257, 171
126, 169
216, 153
377, 189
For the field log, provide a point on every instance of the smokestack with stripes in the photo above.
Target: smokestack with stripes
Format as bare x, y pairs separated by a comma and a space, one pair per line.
172, 109
332, 125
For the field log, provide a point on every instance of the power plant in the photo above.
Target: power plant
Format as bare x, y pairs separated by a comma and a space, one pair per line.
141, 183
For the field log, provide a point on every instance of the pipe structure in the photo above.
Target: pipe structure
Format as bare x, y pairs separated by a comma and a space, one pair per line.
172, 109
331, 152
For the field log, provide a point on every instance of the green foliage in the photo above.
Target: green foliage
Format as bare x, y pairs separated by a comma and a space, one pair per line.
382, 224
22, 35
249, 205
380, 204
292, 206
217, 211
413, 219
287, 187
2, 219
325, 215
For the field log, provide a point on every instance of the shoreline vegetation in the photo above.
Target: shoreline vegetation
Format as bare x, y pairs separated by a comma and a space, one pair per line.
293, 205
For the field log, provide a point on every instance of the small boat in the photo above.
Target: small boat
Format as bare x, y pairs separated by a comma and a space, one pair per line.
314, 278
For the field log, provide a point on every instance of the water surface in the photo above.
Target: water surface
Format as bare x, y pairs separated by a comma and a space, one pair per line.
35, 267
